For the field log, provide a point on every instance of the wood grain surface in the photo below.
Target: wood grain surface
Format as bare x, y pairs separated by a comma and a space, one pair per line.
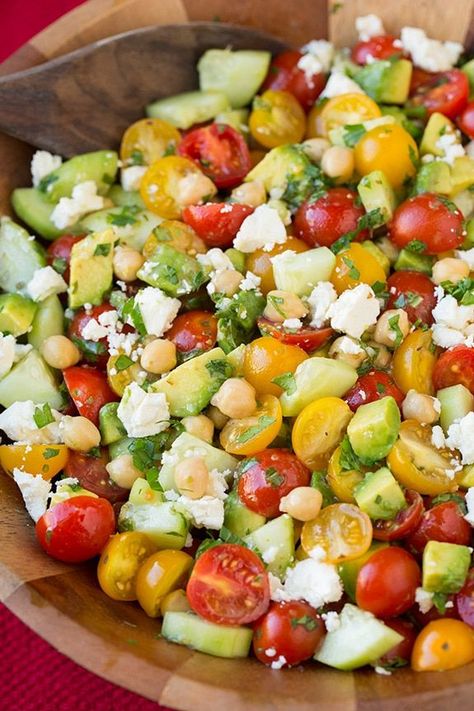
63, 603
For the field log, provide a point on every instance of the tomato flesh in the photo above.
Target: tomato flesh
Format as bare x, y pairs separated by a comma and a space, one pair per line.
445, 523
216, 223
93, 476
285, 75
400, 654
386, 584
193, 331
58, 254
89, 390
446, 93
414, 293
322, 221
379, 47
455, 367
466, 120
95, 352
307, 338
405, 521
372, 386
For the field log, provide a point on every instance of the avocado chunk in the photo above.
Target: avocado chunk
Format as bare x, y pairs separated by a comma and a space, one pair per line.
376, 193
437, 126
316, 378
166, 527
35, 210
238, 119
69, 491
99, 166
275, 542
91, 269
142, 493
238, 518
299, 273
385, 81
122, 198
48, 321
349, 570
111, 428
172, 271
456, 401
192, 631
445, 567
238, 74
185, 110
20, 257
380, 495
410, 261
16, 314
120, 446
133, 225
374, 429
462, 174
30, 379
434, 177
237, 258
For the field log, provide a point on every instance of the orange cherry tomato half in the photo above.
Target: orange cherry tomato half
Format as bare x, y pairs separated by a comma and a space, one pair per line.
47, 460
319, 429
147, 140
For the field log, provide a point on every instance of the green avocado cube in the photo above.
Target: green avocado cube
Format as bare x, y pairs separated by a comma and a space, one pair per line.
434, 177
91, 269
373, 429
376, 193
380, 495
385, 81
410, 261
437, 126
111, 428
445, 566
174, 272
16, 314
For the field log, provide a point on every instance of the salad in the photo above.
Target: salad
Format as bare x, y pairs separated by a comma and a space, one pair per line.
242, 370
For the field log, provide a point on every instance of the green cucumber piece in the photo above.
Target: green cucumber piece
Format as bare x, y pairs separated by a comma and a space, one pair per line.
35, 210
30, 379
121, 197
299, 273
133, 225
184, 110
20, 256
166, 527
237, 74
16, 314
99, 166
142, 493
238, 518
316, 378
111, 428
48, 321
275, 542
192, 631
456, 401
238, 119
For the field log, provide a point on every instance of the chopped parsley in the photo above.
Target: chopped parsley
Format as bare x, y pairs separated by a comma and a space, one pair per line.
354, 273
309, 623
43, 416
287, 381
273, 478
348, 459
416, 246
126, 216
263, 422
353, 133
123, 362
102, 250
463, 290
50, 452
395, 328
374, 218
59, 265
136, 157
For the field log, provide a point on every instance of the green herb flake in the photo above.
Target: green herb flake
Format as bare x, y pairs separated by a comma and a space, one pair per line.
287, 381
273, 478
102, 250
381, 389
136, 157
416, 246
43, 416
353, 133
463, 290
263, 422
123, 362
413, 157
46, 182
59, 265
126, 216
50, 452
348, 459
371, 220
439, 601
395, 328
309, 623
354, 273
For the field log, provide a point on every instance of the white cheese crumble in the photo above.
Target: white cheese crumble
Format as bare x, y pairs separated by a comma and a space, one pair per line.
19, 425
437, 437
84, 199
42, 164
349, 346
310, 65
157, 309
93, 331
430, 54
331, 620
323, 51
339, 83
263, 229
320, 300
217, 484
470, 505
45, 282
250, 282
270, 652
35, 491
382, 671
368, 26
131, 177
312, 580
451, 322
461, 437
354, 311
207, 512
215, 259
143, 414
450, 146
294, 324
7, 354
424, 598
279, 663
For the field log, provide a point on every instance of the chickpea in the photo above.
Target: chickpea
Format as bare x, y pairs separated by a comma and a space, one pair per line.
235, 398
252, 193
379, 354
226, 281
217, 417
193, 188
392, 327
159, 356
175, 601
191, 476
315, 148
302, 503
59, 352
338, 162
420, 407
79, 433
126, 262
122, 471
450, 269
347, 350
282, 305
199, 426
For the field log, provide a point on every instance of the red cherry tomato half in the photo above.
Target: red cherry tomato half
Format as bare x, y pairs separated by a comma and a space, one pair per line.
268, 476
193, 331
429, 219
77, 529
465, 600
423, 618
216, 223
92, 475
400, 654
220, 151
372, 386
93, 352
58, 254
446, 93
322, 221
380, 47
404, 522
229, 585
455, 367
89, 390
386, 584
444, 522
292, 630
466, 120
414, 293
307, 338
420, 77
285, 75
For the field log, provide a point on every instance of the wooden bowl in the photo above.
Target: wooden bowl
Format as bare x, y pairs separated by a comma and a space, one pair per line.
64, 603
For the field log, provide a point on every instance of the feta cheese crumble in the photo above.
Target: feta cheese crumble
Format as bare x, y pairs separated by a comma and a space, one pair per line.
215, 259
470, 505
42, 164
131, 177
382, 671
279, 663
84, 199
7, 354
35, 491
263, 229
452, 322
250, 282
45, 282
461, 437
438, 439
319, 301
143, 414
339, 83
354, 311
19, 425
368, 26
430, 54
331, 620
312, 580
450, 146
349, 346
157, 309
424, 598
322, 51
207, 511
294, 324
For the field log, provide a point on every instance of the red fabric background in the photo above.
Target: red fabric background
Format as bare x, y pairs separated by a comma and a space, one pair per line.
33, 676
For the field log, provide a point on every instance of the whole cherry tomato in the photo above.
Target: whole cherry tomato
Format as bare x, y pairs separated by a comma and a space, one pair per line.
285, 74
446, 93
76, 529
292, 630
95, 352
193, 331
442, 645
229, 585
372, 386
321, 221
216, 223
89, 390
389, 148
429, 221
404, 522
400, 654
386, 584
267, 477
414, 293
379, 47
465, 600
220, 151
307, 338
455, 367
444, 522
466, 120
92, 475
58, 254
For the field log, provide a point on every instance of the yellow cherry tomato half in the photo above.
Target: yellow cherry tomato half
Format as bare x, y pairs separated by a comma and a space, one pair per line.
175, 234
354, 266
159, 575
388, 148
277, 118
417, 464
341, 481
443, 644
119, 564
343, 110
47, 460
259, 262
319, 429
147, 140
265, 359
413, 363
343, 531
121, 371
251, 434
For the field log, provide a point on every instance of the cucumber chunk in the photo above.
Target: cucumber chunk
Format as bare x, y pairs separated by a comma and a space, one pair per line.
316, 378
166, 527
219, 640
299, 273
185, 443
275, 542
133, 225
48, 321
121, 197
20, 256
35, 210
99, 166
30, 379
237, 74
456, 401
142, 493
184, 110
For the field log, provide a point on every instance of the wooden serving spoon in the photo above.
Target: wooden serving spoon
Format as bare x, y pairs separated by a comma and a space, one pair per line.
84, 100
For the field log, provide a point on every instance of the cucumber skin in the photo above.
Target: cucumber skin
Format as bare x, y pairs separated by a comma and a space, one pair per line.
48, 321
218, 640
